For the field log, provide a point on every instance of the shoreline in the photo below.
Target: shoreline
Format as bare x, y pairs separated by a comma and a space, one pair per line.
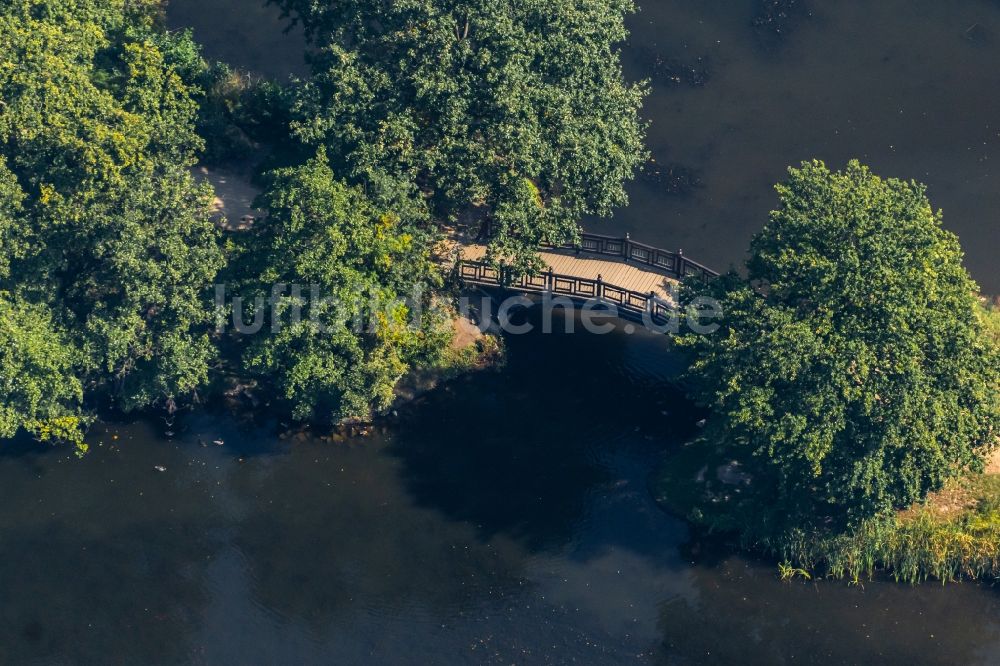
953, 536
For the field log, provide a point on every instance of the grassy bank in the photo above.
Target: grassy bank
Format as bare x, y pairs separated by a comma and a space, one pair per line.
470, 350
955, 535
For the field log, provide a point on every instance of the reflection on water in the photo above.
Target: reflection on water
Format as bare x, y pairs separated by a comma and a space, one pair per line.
744, 616
505, 519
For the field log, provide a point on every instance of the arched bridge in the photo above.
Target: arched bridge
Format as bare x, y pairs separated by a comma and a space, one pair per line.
635, 277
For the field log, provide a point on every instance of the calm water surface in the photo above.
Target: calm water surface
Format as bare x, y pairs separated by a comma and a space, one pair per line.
504, 519
910, 87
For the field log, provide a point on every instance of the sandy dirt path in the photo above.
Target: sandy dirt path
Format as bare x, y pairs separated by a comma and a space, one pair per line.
232, 207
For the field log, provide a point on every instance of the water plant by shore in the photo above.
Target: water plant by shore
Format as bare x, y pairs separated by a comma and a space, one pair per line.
954, 535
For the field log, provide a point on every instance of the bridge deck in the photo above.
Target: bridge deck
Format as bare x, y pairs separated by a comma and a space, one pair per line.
642, 279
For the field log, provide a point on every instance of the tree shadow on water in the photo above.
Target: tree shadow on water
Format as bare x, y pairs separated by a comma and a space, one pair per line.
522, 452
504, 463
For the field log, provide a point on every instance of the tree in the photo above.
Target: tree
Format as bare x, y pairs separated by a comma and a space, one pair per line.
852, 374
516, 113
39, 390
105, 226
356, 273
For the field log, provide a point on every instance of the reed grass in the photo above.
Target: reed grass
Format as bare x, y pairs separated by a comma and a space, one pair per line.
941, 540
921, 544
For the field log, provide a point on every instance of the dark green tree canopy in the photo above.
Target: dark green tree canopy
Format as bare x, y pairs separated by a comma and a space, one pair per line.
361, 271
852, 373
101, 223
39, 390
512, 112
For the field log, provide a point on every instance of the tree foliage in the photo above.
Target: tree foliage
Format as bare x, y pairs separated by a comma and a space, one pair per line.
101, 223
513, 112
852, 373
360, 271
38, 385
431, 111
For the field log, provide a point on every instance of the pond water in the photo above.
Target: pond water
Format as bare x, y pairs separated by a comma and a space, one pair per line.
505, 518
909, 87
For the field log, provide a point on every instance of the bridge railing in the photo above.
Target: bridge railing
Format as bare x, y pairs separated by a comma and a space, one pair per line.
674, 264
629, 303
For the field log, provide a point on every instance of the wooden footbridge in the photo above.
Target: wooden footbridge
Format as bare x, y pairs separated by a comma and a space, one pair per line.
637, 279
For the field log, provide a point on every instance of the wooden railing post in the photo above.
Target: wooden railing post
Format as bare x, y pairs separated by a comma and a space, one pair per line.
475, 272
